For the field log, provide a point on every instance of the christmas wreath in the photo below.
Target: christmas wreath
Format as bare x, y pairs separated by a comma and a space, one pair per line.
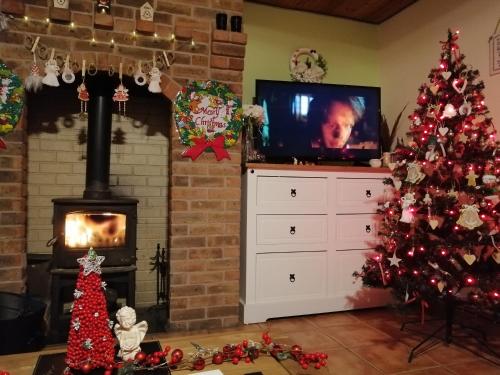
307, 65
208, 116
11, 101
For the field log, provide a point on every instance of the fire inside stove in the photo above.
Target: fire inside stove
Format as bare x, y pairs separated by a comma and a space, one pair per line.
96, 230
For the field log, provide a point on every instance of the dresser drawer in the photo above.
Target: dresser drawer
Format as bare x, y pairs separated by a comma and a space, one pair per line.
347, 262
290, 229
292, 194
356, 231
291, 276
358, 195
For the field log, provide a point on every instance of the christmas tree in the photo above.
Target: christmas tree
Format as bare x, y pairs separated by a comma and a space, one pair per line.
90, 342
440, 228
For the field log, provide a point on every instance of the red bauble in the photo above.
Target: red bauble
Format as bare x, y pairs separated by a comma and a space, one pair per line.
4, 373
199, 364
86, 368
108, 372
235, 360
296, 350
141, 356
177, 355
247, 359
304, 365
218, 358
245, 343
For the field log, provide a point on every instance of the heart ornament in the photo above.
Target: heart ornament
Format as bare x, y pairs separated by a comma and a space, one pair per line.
441, 284
478, 119
457, 88
446, 75
443, 130
391, 166
434, 89
496, 256
397, 184
469, 258
433, 223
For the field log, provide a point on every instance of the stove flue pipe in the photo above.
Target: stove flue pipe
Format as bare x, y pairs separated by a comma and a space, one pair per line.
98, 147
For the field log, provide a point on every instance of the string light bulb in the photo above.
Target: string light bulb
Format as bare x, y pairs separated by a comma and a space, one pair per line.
72, 25
172, 37
26, 18
193, 44
112, 42
134, 34
47, 20
93, 41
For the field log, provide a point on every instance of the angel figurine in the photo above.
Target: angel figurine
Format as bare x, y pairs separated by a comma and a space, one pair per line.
129, 334
406, 202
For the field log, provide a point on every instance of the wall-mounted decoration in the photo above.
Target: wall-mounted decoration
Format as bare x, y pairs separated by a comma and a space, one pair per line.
147, 12
64, 4
495, 51
208, 117
307, 65
11, 101
103, 6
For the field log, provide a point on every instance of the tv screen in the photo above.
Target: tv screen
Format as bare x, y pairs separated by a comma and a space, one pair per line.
318, 122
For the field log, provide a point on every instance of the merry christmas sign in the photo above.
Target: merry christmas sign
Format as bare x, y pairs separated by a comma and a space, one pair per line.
208, 117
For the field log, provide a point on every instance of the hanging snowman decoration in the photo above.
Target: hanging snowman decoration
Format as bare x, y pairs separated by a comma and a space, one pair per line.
154, 78
51, 71
83, 94
121, 93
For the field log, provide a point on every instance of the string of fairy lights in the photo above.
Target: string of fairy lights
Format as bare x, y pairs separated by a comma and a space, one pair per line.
162, 60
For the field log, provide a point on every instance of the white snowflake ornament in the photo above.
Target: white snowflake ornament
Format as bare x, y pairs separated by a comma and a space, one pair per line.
77, 293
75, 324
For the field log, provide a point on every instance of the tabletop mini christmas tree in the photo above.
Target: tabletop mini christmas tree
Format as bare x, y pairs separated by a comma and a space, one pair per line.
90, 343
440, 228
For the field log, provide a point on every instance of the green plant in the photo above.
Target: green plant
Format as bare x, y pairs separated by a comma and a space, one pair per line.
388, 136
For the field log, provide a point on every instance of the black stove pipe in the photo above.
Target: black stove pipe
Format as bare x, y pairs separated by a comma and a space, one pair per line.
98, 147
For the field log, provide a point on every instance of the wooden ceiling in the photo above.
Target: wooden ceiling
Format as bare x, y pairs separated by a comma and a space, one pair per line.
370, 11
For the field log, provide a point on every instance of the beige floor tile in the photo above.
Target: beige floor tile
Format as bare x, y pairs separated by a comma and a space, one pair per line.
332, 319
392, 357
481, 367
310, 341
429, 371
358, 334
449, 354
277, 326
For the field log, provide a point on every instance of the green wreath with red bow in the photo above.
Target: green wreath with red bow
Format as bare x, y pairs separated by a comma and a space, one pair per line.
11, 101
208, 117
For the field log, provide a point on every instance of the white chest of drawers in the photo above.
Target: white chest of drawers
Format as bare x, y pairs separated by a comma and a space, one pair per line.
305, 230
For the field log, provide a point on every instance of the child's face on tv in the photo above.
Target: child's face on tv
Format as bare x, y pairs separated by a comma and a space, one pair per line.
337, 127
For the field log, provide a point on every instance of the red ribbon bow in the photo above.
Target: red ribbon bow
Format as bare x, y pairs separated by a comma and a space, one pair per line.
452, 46
201, 144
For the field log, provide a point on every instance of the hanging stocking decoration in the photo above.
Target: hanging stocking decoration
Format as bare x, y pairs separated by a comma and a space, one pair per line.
121, 93
155, 78
51, 71
83, 94
139, 77
33, 82
67, 75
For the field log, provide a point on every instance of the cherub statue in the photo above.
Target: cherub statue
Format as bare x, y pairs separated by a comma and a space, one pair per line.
129, 334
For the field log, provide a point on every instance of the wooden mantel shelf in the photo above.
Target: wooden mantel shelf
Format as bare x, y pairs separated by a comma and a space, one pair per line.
320, 168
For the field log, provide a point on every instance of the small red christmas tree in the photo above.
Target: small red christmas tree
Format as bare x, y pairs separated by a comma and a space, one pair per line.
90, 342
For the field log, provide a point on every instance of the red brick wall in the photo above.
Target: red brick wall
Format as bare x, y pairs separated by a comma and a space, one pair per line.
13, 213
204, 196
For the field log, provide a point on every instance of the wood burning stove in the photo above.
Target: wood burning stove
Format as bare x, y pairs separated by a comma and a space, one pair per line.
97, 220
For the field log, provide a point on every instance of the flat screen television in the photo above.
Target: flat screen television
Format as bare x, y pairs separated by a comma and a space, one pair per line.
318, 122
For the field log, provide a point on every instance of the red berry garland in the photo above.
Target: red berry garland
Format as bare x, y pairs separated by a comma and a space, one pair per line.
246, 351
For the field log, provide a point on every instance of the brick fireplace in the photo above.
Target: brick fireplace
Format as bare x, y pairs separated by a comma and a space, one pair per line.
203, 197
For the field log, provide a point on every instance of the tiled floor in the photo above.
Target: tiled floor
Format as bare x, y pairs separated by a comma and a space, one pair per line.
369, 342
364, 342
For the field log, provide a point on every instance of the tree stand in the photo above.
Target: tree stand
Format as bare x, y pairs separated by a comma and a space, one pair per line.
450, 307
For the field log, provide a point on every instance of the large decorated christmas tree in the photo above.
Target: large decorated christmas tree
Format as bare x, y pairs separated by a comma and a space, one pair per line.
440, 229
90, 343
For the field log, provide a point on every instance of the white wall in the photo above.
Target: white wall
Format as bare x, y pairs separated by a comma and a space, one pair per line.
409, 48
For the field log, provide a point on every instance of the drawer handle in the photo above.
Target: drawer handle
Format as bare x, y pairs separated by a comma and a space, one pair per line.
292, 277
368, 193
368, 228
292, 230
293, 193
